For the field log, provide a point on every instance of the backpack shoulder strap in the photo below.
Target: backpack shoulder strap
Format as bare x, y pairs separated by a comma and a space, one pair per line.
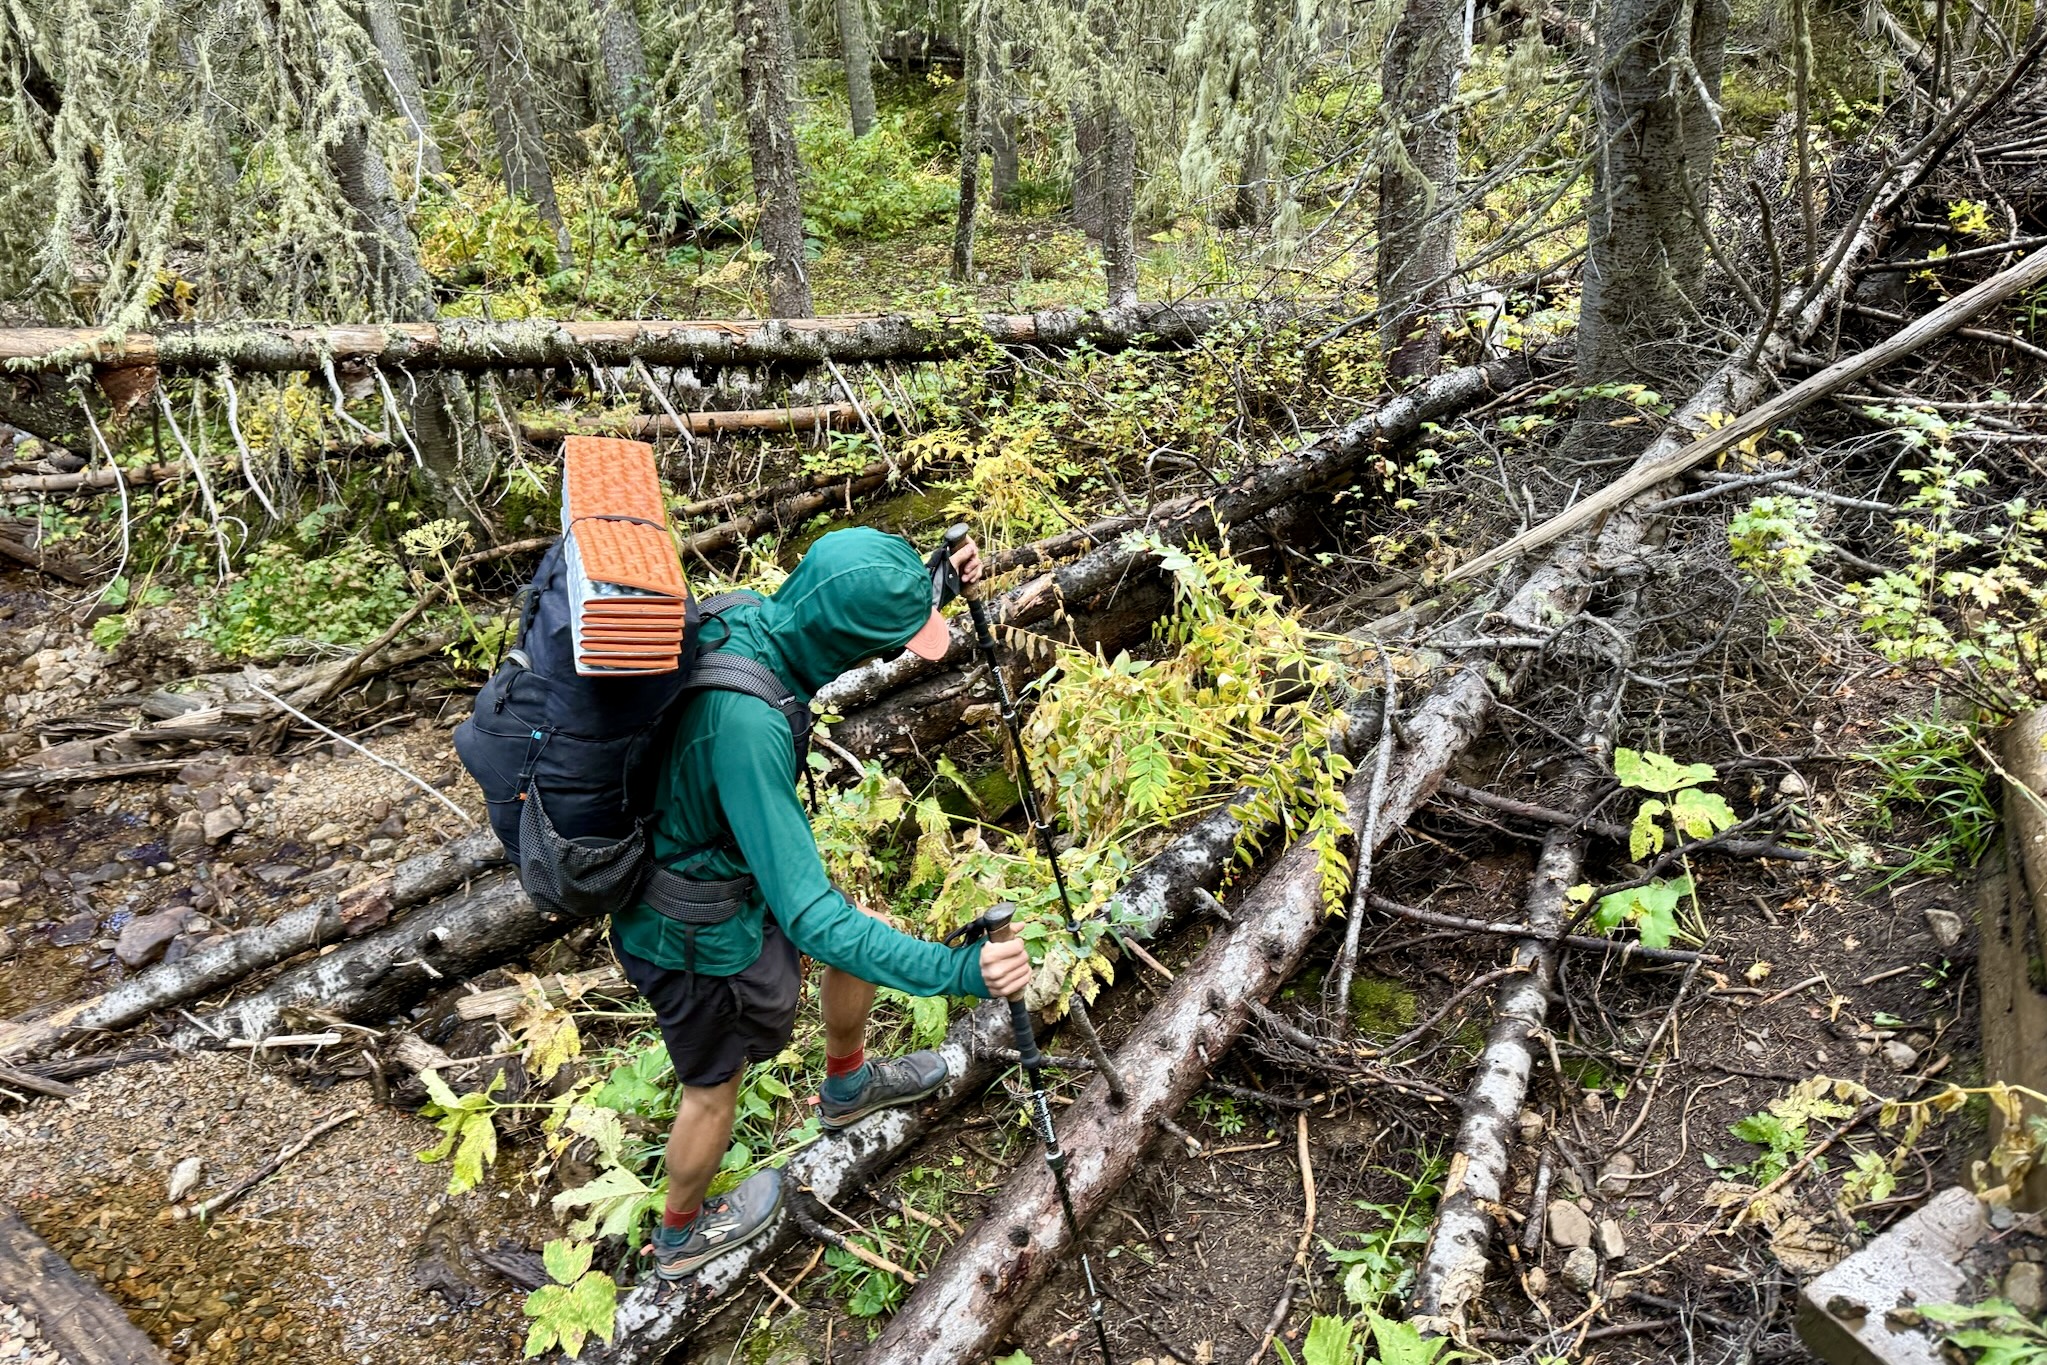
725, 672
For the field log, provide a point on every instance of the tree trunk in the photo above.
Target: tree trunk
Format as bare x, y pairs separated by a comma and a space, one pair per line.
439, 418
624, 60
1418, 181
1090, 132
766, 74
1658, 76
402, 79
998, 118
974, 33
1253, 206
1119, 210
515, 122
858, 53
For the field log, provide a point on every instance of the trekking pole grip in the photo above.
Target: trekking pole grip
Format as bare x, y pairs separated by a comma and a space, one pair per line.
1026, 1037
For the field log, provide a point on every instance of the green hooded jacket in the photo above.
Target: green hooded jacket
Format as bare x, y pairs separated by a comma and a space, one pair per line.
727, 801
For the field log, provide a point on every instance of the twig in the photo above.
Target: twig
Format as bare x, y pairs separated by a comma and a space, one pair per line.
1368, 841
438, 795
222, 1201
851, 1248
776, 1290
1300, 1261
1625, 947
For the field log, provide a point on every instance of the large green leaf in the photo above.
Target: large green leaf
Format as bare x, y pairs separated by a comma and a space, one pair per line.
565, 1260
1654, 772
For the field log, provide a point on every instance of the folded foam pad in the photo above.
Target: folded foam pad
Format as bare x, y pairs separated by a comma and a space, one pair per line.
627, 595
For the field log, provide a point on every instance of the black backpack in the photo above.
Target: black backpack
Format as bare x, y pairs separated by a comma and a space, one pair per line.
569, 763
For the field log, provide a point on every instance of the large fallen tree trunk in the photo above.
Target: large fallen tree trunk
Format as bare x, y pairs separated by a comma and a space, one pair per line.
1101, 571
535, 343
961, 1310
222, 963
651, 1325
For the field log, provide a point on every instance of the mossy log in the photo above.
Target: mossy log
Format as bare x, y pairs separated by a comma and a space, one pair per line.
536, 343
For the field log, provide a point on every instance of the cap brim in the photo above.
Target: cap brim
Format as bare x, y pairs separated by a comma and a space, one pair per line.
932, 640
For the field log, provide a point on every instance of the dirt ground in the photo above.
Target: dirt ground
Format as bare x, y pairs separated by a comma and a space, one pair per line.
353, 1252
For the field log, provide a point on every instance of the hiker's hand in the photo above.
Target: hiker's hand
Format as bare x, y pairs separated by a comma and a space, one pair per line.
966, 561
1006, 967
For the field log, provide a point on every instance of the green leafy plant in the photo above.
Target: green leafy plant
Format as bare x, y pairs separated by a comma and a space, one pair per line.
1674, 796
1999, 1332
1773, 539
1379, 1265
1783, 1129
1219, 1112
1336, 1341
581, 1302
468, 1132
283, 602
1929, 765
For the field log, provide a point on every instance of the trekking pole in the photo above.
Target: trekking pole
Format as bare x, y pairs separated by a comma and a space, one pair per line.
995, 925
948, 580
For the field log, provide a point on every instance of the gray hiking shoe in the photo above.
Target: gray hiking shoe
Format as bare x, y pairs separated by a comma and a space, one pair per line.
726, 1220
897, 1080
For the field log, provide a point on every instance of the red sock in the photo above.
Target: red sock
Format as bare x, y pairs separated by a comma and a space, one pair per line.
678, 1220
845, 1066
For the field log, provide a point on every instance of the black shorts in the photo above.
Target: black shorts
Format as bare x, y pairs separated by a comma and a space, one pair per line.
715, 1025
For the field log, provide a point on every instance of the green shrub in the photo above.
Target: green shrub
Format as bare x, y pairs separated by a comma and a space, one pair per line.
283, 602
874, 186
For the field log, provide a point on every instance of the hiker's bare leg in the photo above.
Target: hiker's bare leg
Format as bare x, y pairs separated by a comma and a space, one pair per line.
846, 1001
699, 1140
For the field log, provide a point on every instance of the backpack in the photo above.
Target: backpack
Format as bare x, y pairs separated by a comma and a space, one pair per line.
569, 763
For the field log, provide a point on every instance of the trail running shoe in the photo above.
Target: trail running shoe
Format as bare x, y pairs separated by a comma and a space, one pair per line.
894, 1081
738, 1215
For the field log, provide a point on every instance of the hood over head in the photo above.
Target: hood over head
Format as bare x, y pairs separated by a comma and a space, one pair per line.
856, 594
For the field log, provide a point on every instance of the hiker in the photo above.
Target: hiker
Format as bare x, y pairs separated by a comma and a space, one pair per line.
726, 806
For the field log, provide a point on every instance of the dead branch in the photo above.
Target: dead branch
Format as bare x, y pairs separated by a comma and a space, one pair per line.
1647, 474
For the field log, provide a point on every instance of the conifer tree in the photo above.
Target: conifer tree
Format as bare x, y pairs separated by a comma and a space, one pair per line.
515, 120
766, 80
1418, 180
401, 76
1655, 89
857, 51
623, 57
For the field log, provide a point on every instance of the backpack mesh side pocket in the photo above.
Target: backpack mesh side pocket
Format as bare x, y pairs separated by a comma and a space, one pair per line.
582, 877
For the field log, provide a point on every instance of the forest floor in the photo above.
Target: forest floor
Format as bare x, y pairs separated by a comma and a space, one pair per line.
1825, 973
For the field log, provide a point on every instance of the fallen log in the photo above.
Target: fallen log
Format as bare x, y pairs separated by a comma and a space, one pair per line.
217, 965
536, 343
23, 549
75, 1318
1453, 1265
653, 426
1102, 571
